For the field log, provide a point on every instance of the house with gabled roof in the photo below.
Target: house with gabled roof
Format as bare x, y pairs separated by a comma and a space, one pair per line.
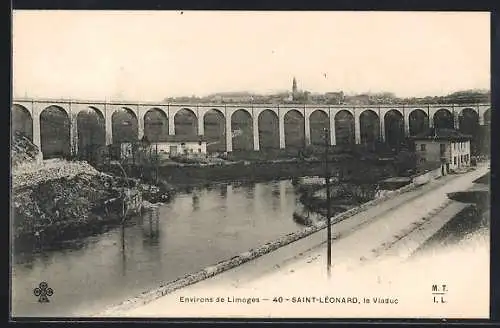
446, 147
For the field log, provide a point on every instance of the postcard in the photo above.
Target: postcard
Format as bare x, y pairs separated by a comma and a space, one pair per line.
250, 164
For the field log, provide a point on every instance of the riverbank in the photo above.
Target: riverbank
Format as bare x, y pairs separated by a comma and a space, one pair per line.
345, 195
190, 232
185, 176
58, 200
374, 225
72, 219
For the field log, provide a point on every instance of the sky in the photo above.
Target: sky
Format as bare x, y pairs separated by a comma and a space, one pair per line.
151, 55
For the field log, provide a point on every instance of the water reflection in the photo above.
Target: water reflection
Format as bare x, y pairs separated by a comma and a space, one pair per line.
223, 197
223, 190
257, 193
249, 191
124, 256
151, 227
275, 195
196, 202
193, 231
283, 196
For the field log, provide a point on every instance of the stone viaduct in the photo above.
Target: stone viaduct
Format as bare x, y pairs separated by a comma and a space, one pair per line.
139, 110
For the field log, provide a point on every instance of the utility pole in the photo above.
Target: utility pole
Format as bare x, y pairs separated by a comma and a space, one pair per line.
328, 208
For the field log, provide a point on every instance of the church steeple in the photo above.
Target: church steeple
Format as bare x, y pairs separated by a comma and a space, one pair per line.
294, 86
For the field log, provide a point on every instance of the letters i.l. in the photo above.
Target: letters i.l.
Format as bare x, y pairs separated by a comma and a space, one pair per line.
439, 299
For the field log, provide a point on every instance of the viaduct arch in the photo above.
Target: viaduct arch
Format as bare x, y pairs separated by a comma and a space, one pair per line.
248, 126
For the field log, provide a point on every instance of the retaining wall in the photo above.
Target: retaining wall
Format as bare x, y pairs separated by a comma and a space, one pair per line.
426, 177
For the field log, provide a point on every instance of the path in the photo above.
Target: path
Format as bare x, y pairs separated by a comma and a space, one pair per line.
285, 273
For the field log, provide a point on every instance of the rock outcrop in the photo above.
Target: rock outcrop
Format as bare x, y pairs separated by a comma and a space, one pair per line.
23, 150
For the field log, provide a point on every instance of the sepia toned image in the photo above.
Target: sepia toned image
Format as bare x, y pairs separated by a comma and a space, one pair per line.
250, 164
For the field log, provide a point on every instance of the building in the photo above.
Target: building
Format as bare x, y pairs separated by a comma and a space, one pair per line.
336, 98
362, 99
446, 147
121, 151
231, 97
298, 96
175, 145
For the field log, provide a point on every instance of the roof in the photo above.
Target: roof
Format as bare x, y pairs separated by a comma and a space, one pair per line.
442, 134
179, 138
173, 138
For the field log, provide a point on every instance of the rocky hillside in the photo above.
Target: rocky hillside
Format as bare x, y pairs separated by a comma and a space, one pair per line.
53, 194
58, 199
33, 173
59, 202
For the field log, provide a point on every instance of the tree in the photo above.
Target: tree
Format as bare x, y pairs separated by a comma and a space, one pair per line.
405, 161
468, 96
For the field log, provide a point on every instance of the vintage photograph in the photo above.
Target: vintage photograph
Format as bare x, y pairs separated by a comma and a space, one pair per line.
250, 164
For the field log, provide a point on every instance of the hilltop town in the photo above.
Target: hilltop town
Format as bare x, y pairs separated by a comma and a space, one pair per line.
298, 96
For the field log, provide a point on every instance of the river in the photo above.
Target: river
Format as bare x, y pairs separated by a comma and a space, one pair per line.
192, 231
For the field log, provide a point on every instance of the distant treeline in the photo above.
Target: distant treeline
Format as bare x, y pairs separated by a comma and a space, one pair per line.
459, 97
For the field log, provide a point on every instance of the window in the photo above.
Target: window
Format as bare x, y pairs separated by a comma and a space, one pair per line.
422, 147
442, 149
454, 160
199, 143
199, 150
